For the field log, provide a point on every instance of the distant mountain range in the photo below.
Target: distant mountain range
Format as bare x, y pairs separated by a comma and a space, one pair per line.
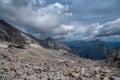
95, 49
113, 43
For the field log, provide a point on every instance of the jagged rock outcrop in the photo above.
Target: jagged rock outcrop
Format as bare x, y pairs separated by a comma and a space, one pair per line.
11, 34
113, 59
55, 45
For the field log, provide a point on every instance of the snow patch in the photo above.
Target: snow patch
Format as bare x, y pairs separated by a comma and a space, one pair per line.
35, 45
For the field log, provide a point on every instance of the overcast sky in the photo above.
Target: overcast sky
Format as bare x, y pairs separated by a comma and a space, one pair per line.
64, 19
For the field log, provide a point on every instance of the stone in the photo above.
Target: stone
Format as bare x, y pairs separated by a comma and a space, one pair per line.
115, 78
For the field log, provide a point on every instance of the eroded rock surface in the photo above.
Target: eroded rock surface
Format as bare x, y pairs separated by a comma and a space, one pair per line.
34, 68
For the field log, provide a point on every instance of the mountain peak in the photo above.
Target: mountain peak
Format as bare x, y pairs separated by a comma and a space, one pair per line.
2, 21
55, 45
49, 38
98, 40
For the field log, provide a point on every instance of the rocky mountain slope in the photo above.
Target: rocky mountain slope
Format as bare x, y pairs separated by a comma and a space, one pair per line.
13, 37
55, 45
113, 59
17, 66
11, 34
35, 62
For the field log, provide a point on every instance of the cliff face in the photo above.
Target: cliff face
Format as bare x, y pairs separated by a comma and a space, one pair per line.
55, 45
11, 34
113, 59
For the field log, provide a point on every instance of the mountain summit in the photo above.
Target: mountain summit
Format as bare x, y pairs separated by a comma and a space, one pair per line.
50, 43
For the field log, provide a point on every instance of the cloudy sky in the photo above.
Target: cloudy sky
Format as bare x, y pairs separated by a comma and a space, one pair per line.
64, 19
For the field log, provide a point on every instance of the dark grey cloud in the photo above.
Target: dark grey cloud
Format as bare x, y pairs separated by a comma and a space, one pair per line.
91, 11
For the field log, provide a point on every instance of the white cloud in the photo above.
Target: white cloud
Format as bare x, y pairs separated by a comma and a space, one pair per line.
46, 19
67, 27
64, 30
108, 29
71, 32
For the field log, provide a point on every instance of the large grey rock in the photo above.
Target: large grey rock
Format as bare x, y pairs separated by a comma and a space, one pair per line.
115, 78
